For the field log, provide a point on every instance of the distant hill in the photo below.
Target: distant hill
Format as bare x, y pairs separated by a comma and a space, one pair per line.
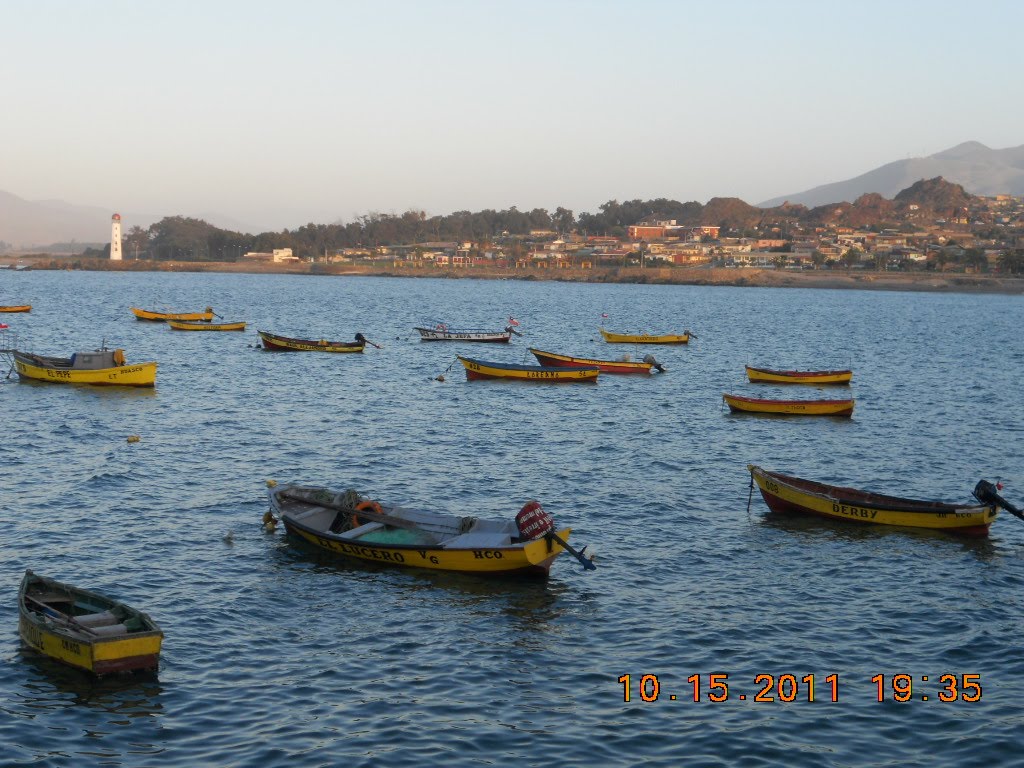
980, 170
27, 223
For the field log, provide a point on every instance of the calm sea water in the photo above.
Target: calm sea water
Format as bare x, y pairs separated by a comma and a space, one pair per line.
277, 656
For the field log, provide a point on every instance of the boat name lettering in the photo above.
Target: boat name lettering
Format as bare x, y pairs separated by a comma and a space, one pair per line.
71, 647
541, 374
58, 374
33, 636
371, 553
844, 509
771, 486
431, 558
482, 554
136, 369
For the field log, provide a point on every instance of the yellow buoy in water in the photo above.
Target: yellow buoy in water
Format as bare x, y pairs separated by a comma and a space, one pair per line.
133, 438
269, 521
271, 483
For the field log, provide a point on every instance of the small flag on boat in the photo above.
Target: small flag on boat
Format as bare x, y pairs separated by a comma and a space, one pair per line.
512, 320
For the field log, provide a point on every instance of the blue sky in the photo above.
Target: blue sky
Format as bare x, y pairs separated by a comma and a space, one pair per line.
278, 114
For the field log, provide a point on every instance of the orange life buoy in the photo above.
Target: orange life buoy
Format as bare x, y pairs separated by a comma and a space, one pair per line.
373, 505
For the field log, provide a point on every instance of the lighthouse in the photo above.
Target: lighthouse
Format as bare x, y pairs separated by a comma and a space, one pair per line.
115, 237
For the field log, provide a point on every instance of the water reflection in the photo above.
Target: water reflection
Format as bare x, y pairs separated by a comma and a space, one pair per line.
51, 685
813, 528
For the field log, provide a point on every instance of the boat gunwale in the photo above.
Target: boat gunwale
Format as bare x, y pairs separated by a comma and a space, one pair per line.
770, 401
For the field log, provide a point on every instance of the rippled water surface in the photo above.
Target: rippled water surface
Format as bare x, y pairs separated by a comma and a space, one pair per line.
277, 656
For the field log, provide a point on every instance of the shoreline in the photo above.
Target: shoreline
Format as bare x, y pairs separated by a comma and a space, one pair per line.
936, 282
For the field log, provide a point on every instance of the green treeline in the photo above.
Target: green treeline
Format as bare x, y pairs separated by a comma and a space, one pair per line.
181, 238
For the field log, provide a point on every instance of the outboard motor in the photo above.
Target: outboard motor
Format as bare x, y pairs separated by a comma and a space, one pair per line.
657, 366
533, 522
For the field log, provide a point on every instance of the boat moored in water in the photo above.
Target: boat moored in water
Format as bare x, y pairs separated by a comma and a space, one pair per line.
182, 325
605, 366
16, 308
784, 493
486, 369
739, 404
84, 629
771, 376
275, 343
345, 524
205, 316
102, 367
444, 332
646, 338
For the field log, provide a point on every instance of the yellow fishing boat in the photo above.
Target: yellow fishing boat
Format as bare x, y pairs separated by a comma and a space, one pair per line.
485, 369
103, 367
16, 308
144, 314
272, 342
181, 325
783, 493
84, 629
644, 338
769, 376
789, 407
345, 524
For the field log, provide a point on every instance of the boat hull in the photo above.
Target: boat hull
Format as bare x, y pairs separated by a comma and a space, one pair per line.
135, 375
182, 325
17, 308
644, 338
739, 404
438, 334
56, 639
160, 317
552, 359
768, 376
532, 560
307, 514
783, 493
274, 343
483, 369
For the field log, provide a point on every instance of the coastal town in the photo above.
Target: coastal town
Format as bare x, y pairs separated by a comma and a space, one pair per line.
933, 227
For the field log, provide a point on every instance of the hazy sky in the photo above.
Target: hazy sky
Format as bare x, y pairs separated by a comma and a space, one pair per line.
282, 113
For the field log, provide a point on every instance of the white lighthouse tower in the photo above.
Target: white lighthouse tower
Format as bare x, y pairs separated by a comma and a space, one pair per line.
115, 237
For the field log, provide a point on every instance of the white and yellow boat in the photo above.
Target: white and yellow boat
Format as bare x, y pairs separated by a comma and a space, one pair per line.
104, 367
84, 629
344, 524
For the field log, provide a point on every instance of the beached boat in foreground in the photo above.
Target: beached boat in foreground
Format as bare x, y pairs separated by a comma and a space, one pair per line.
605, 366
442, 332
16, 308
84, 629
275, 343
645, 338
343, 523
783, 493
738, 404
159, 317
182, 325
103, 367
485, 369
770, 376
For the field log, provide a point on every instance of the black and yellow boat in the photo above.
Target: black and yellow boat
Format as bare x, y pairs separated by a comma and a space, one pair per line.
84, 629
